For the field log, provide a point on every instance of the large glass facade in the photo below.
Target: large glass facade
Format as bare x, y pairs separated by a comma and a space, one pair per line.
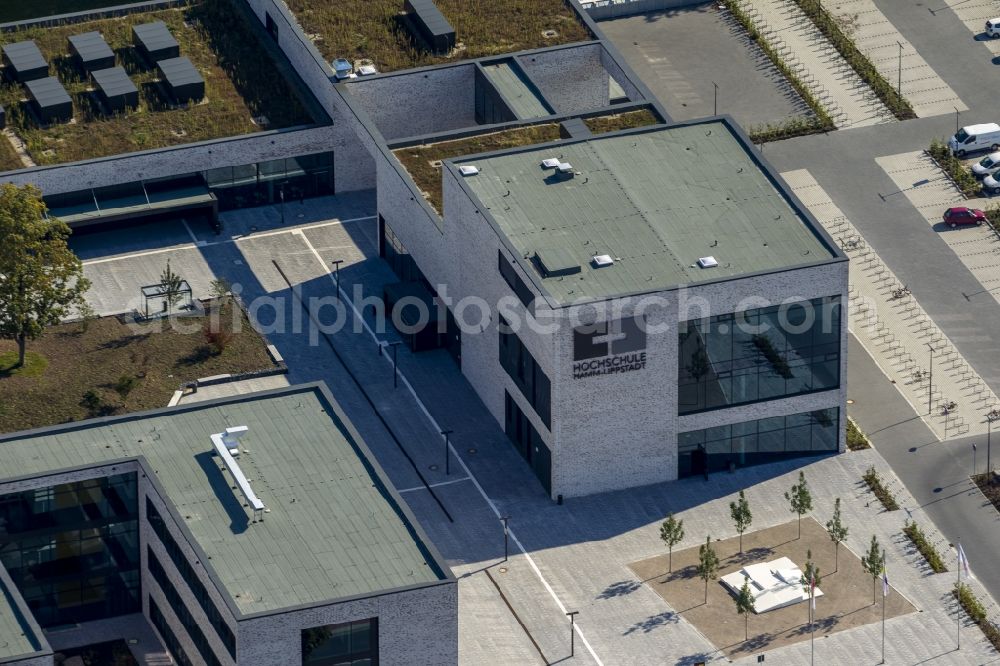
757, 442
73, 549
758, 355
347, 644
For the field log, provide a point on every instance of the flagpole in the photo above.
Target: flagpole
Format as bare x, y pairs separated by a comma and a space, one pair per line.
812, 623
884, 599
958, 591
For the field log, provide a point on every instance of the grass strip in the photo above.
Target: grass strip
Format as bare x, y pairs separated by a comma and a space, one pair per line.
874, 481
954, 168
974, 607
828, 25
819, 122
926, 548
856, 439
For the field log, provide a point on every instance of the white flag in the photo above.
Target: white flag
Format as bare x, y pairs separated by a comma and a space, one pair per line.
963, 561
885, 581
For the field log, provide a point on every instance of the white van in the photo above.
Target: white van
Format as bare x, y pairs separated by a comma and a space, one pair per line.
975, 137
993, 28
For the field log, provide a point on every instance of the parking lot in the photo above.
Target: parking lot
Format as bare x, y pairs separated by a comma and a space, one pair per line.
681, 53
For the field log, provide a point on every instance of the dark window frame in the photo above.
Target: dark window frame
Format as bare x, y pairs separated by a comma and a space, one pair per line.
369, 653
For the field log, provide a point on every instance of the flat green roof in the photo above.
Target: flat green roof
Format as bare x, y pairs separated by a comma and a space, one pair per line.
510, 82
333, 530
16, 638
655, 201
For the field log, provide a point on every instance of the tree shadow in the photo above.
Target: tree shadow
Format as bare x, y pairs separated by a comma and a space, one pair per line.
822, 625
201, 354
619, 589
652, 622
755, 643
750, 555
124, 341
694, 659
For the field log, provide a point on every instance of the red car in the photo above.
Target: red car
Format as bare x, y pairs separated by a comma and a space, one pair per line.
960, 215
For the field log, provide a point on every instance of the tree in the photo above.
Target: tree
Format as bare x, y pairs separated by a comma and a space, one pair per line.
800, 499
40, 277
742, 518
124, 386
672, 533
744, 606
86, 312
708, 564
220, 288
838, 532
872, 564
171, 284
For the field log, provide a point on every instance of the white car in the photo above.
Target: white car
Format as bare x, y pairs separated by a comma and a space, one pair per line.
987, 166
993, 28
991, 184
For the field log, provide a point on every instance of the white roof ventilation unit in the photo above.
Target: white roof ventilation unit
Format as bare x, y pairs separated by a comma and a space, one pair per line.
468, 170
565, 167
550, 163
601, 260
227, 447
708, 262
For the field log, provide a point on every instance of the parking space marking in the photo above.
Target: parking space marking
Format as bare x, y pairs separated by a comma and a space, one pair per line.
433, 485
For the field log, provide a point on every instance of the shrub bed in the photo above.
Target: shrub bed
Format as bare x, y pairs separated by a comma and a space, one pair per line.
974, 607
874, 481
954, 168
926, 548
856, 440
821, 120
859, 62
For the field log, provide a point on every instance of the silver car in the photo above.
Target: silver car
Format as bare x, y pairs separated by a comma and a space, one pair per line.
987, 166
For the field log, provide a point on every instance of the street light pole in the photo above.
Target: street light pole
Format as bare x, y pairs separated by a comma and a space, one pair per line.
956, 119
505, 519
336, 274
930, 382
395, 375
899, 69
973, 462
715, 103
447, 455
572, 617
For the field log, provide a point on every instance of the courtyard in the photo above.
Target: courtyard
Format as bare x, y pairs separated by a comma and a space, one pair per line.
846, 602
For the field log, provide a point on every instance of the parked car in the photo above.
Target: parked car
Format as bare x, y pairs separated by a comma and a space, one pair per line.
993, 28
991, 184
987, 166
975, 137
962, 216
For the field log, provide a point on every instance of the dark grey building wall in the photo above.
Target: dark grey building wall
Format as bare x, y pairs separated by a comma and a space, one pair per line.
571, 79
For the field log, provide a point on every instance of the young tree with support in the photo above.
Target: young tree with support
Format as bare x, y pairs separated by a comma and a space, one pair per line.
838, 532
41, 280
744, 606
672, 533
171, 285
872, 564
742, 517
800, 499
708, 564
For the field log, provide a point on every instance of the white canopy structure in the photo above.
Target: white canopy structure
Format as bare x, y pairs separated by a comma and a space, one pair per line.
774, 584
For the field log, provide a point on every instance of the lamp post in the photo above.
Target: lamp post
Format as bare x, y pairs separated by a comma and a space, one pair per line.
336, 274
899, 69
930, 381
394, 345
991, 416
956, 119
572, 618
973, 461
715, 102
506, 520
447, 455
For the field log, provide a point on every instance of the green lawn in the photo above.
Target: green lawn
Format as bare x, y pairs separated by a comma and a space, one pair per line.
157, 359
19, 10
241, 83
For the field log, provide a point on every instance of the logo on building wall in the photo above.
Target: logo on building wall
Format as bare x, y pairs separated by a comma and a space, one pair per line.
609, 348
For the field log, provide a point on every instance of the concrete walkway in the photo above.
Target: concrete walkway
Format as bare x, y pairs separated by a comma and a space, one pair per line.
847, 98
877, 38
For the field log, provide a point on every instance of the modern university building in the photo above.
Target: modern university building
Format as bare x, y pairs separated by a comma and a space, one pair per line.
661, 304
255, 530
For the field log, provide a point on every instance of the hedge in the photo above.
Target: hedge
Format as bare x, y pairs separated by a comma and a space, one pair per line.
954, 168
926, 548
974, 607
874, 482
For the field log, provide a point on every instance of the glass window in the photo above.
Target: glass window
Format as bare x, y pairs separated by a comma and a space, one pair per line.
72, 549
347, 644
760, 441
528, 376
756, 355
